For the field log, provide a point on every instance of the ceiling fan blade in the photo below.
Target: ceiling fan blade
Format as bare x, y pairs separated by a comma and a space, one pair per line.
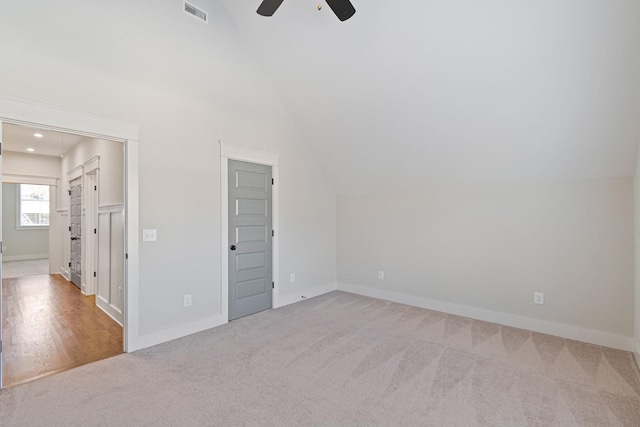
342, 8
269, 7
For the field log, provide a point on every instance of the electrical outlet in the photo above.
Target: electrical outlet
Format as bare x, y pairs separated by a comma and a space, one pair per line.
187, 300
292, 278
381, 275
538, 297
150, 235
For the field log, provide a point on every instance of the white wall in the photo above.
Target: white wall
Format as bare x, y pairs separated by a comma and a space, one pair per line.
187, 85
490, 248
14, 163
21, 243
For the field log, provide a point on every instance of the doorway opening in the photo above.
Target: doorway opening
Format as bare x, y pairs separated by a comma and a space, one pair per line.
229, 152
74, 313
250, 236
25, 213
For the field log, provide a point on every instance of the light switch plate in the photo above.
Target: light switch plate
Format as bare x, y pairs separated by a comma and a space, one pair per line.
149, 235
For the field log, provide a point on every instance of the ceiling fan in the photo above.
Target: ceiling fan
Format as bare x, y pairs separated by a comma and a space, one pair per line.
342, 8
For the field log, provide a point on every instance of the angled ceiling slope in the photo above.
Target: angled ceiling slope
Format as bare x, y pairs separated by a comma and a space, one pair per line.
457, 93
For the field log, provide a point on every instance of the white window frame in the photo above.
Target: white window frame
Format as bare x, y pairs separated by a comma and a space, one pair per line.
19, 226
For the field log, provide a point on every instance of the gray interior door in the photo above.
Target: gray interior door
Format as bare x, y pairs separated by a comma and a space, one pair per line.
75, 215
250, 222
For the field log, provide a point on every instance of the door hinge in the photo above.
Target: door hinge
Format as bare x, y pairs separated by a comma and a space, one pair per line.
272, 181
0, 247
95, 231
94, 274
0, 346
0, 155
273, 233
126, 256
69, 191
95, 188
273, 285
69, 265
69, 228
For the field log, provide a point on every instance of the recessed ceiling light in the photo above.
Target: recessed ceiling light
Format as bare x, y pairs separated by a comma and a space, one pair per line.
37, 135
31, 150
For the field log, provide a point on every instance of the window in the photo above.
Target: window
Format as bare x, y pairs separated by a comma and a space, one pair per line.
33, 205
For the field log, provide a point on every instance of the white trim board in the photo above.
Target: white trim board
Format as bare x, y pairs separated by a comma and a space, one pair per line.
170, 334
246, 154
307, 293
12, 178
604, 339
108, 309
158, 337
40, 115
24, 257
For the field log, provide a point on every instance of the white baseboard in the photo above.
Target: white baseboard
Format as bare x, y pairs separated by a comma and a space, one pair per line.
109, 310
159, 337
636, 353
24, 257
303, 294
551, 328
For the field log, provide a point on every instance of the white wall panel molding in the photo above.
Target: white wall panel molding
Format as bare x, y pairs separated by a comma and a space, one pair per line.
110, 270
551, 328
110, 208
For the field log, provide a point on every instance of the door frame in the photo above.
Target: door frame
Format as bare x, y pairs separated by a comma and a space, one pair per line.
250, 155
90, 261
25, 112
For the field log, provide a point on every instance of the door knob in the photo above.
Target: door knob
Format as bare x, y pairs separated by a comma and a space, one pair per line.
233, 247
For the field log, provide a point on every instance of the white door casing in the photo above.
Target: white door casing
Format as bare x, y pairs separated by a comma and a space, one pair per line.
0, 257
36, 114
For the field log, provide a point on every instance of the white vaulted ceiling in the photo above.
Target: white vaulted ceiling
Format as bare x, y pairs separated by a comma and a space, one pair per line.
430, 93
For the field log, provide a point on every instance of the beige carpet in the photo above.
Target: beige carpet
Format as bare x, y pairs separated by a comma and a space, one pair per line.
343, 360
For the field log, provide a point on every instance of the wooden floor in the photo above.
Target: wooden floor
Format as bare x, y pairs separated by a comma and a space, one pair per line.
48, 326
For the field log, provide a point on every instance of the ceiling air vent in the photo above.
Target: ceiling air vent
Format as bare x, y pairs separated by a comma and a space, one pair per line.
196, 12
